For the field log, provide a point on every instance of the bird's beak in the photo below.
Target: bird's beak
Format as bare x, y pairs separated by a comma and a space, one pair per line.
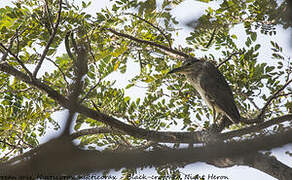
176, 70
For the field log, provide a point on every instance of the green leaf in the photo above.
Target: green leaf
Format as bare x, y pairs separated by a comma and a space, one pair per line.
257, 47
254, 36
233, 36
129, 86
83, 4
248, 42
127, 98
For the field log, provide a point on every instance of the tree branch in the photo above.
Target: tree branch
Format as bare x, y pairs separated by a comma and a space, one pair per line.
169, 137
271, 98
262, 162
31, 167
63, 74
229, 57
5, 54
59, 156
212, 37
223, 136
91, 131
17, 59
256, 128
269, 165
148, 42
8, 144
156, 27
44, 54
63, 101
89, 91
80, 69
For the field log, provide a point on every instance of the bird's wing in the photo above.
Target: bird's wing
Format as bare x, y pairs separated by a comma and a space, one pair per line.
218, 91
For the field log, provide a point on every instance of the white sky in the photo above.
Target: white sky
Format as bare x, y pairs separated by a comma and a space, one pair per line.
185, 11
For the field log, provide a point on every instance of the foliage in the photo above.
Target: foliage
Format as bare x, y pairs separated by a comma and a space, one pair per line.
160, 102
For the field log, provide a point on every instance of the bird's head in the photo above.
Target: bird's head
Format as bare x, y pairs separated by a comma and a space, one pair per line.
187, 66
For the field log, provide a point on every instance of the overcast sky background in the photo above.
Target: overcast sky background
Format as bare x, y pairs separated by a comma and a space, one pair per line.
191, 9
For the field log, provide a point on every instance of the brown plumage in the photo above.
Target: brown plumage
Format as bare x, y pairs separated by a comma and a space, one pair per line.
211, 85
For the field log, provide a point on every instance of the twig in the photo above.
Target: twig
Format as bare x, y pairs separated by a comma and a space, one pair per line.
228, 58
64, 76
11, 145
149, 43
253, 103
5, 54
280, 95
212, 37
250, 99
16, 34
17, 59
44, 54
49, 14
17, 41
271, 98
6, 154
21, 139
95, 106
156, 27
89, 45
91, 89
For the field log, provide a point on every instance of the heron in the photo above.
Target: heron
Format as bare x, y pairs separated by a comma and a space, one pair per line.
212, 87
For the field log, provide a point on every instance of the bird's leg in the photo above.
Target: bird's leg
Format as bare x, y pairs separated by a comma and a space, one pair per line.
214, 114
210, 136
214, 127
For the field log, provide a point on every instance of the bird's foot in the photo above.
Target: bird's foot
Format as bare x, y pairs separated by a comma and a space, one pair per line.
210, 136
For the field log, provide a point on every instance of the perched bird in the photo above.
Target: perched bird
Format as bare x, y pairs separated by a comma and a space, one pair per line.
211, 85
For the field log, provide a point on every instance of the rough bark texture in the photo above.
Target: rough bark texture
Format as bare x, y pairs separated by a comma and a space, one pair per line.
259, 161
60, 156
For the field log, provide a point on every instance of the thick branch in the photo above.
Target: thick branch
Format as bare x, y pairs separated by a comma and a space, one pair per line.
262, 162
80, 69
59, 156
269, 165
185, 135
